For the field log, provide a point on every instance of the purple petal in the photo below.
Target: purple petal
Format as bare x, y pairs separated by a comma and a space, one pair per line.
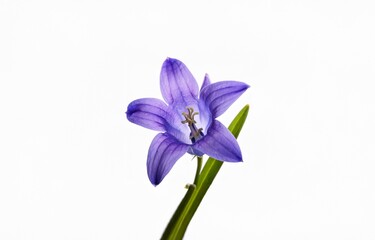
177, 84
218, 97
205, 115
150, 113
163, 153
220, 144
206, 81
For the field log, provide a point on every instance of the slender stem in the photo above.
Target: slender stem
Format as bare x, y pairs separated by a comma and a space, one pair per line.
199, 167
174, 220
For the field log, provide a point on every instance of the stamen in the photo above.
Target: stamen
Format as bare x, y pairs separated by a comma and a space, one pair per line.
189, 116
195, 133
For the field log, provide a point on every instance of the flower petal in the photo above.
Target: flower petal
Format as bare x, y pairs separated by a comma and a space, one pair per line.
150, 113
220, 95
177, 84
206, 81
220, 144
163, 153
205, 115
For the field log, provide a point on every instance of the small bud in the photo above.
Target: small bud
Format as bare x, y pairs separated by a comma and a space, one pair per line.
188, 185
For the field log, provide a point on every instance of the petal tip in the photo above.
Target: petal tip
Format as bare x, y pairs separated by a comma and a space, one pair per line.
240, 160
129, 111
244, 86
154, 179
237, 157
170, 60
206, 81
154, 182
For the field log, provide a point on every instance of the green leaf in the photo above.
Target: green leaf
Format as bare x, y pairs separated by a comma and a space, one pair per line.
190, 203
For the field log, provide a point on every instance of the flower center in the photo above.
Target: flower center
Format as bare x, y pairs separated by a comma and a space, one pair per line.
195, 133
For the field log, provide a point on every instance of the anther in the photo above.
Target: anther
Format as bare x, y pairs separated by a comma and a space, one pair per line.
189, 116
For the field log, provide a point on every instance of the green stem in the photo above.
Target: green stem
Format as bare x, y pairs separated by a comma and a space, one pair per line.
177, 214
199, 167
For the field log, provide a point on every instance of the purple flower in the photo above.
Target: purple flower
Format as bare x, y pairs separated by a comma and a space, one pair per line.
187, 120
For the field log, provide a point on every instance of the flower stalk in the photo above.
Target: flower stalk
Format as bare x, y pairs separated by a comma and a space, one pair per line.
199, 167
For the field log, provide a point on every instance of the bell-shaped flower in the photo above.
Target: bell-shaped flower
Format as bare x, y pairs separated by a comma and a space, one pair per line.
187, 119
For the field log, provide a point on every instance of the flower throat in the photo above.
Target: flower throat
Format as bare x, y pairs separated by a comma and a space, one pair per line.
195, 133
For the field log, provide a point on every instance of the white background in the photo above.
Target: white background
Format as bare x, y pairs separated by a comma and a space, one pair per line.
73, 167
